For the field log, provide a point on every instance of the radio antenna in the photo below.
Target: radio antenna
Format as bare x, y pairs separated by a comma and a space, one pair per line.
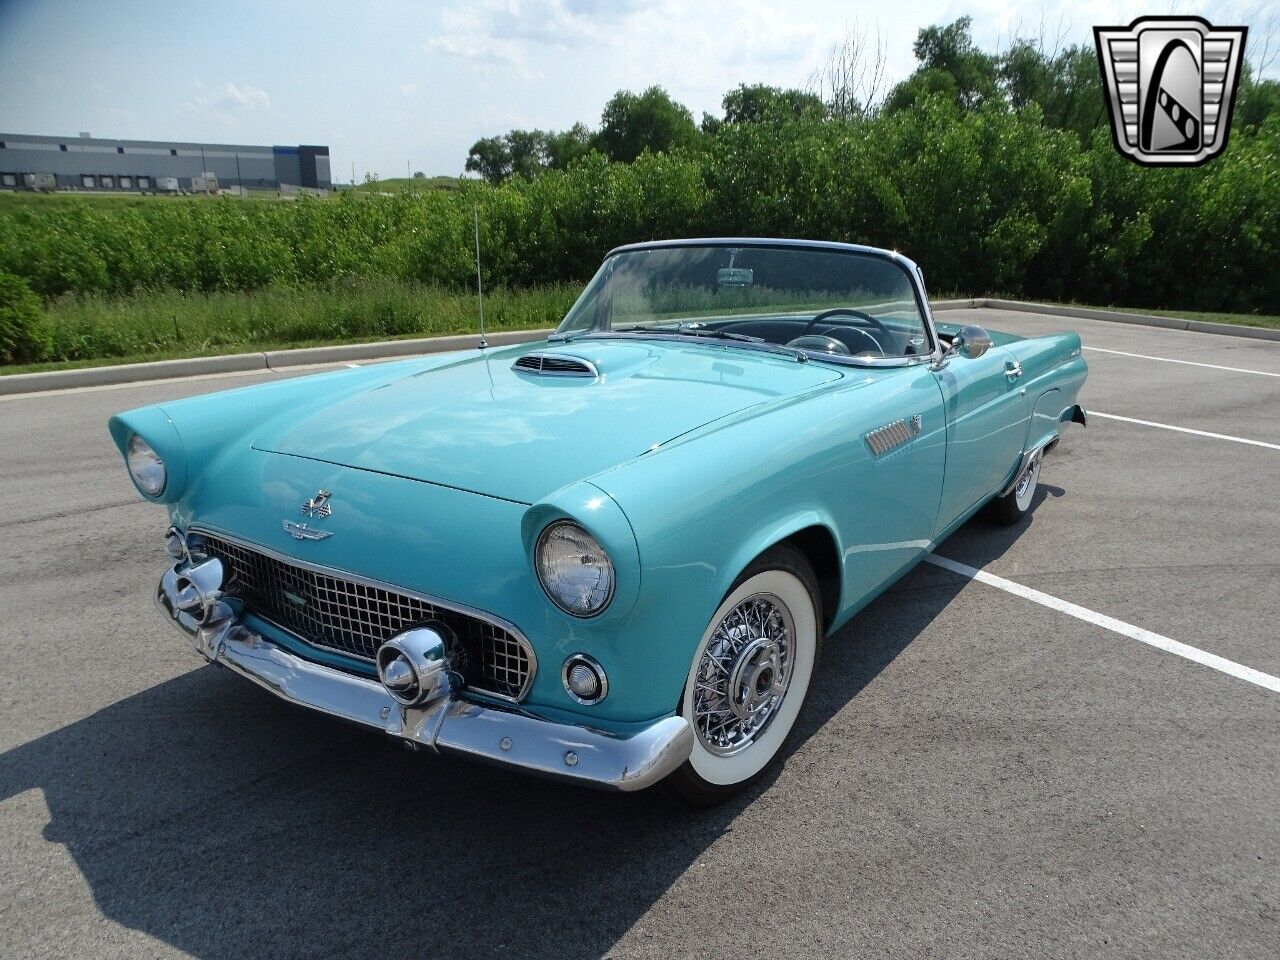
475, 214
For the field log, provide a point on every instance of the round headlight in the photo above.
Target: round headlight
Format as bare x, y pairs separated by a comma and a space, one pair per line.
146, 467
574, 569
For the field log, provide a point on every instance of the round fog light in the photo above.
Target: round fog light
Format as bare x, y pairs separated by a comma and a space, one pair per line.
585, 679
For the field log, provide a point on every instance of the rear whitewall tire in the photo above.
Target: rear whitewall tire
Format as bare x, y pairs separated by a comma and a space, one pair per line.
781, 579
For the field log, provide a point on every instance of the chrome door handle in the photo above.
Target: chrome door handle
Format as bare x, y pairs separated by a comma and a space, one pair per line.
1012, 369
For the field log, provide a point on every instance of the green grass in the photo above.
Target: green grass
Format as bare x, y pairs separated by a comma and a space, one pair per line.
404, 184
93, 331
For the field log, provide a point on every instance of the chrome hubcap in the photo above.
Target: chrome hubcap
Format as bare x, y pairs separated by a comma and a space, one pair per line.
743, 674
1022, 493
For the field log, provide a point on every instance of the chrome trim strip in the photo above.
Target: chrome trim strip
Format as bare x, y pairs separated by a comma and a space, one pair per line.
572, 660
564, 751
459, 608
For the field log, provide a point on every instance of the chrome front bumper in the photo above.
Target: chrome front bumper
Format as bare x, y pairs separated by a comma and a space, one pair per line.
449, 724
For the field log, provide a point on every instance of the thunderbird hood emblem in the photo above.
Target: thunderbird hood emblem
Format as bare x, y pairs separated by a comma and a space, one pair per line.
316, 507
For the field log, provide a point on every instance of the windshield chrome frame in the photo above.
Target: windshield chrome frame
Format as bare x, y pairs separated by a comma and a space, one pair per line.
915, 277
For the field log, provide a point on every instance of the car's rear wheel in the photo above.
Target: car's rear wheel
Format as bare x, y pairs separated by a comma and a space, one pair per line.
1016, 504
750, 676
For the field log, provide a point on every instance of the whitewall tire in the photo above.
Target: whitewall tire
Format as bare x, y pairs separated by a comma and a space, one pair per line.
1016, 504
750, 676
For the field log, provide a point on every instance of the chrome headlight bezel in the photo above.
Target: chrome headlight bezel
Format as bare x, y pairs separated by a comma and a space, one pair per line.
591, 546
147, 468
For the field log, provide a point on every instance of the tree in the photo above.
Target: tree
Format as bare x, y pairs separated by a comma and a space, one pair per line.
1065, 84
491, 158
950, 64
568, 146
1256, 101
850, 82
632, 124
523, 152
759, 103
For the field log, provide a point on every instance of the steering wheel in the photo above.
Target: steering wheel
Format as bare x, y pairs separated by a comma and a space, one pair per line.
848, 312
820, 343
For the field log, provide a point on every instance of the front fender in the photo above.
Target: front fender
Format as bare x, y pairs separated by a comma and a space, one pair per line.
597, 513
769, 534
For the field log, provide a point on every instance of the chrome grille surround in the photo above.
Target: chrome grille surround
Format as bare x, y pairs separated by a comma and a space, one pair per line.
343, 613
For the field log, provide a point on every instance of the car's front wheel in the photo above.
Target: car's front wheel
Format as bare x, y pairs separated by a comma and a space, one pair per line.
750, 676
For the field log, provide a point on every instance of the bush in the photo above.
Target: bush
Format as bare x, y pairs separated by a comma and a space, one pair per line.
987, 200
24, 335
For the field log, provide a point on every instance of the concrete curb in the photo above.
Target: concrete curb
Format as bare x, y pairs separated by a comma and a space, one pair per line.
1141, 319
280, 359
249, 362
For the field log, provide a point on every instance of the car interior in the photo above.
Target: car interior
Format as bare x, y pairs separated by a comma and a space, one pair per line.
839, 331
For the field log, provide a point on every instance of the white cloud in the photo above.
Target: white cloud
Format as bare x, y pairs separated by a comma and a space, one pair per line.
684, 46
408, 89
254, 98
469, 34
226, 104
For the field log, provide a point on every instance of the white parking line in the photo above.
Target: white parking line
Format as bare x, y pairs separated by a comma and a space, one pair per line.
1198, 433
1189, 363
1194, 654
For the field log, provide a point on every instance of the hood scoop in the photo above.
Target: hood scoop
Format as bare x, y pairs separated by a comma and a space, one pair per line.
555, 365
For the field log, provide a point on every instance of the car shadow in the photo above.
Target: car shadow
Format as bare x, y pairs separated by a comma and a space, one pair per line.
215, 818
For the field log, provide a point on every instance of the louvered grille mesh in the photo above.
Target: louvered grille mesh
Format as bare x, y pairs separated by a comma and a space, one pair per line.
356, 619
891, 435
550, 364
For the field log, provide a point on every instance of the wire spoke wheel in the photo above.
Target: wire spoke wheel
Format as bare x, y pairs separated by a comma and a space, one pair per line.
749, 675
744, 674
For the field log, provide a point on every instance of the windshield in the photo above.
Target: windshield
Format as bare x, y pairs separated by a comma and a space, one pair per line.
826, 302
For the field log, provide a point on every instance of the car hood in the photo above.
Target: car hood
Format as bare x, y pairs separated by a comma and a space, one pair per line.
477, 424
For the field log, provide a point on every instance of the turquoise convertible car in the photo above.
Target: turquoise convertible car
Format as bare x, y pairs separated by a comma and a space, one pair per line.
611, 556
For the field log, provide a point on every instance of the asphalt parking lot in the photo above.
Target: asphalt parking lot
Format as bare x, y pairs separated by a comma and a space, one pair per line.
979, 774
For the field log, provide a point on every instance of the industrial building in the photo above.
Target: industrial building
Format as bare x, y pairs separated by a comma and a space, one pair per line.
90, 163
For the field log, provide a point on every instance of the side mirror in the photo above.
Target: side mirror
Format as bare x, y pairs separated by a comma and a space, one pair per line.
971, 342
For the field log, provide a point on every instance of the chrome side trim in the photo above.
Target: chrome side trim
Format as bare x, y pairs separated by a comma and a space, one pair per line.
563, 751
463, 609
892, 435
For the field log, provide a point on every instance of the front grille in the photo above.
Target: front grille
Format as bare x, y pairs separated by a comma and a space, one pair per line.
349, 616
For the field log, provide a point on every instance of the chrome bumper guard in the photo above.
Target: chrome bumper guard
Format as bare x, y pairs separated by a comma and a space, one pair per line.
446, 724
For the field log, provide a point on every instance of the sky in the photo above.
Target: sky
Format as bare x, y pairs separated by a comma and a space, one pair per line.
399, 86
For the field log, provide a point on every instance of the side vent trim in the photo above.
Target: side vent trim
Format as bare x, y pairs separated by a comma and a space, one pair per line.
892, 435
555, 365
